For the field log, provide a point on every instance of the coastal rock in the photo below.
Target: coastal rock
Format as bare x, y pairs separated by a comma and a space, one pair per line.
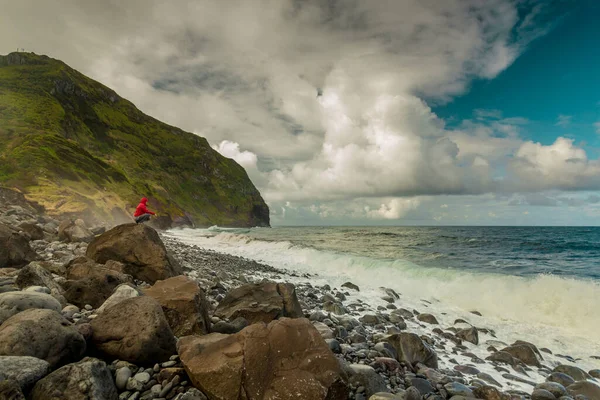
584, 388
556, 389
541, 394
24, 370
334, 307
458, 389
32, 230
411, 349
74, 231
595, 373
524, 353
44, 334
36, 275
324, 330
260, 302
427, 318
387, 396
365, 376
502, 357
121, 292
84, 267
94, 289
489, 393
469, 335
300, 364
88, 379
561, 378
574, 372
184, 305
12, 303
10, 390
14, 249
351, 285
139, 248
136, 331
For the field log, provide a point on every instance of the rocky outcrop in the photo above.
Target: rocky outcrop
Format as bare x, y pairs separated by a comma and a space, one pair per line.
14, 249
24, 370
412, 350
74, 231
260, 302
89, 379
135, 331
44, 334
184, 305
139, 248
286, 359
12, 303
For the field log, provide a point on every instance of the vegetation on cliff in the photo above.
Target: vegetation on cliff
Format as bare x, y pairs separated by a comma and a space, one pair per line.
77, 148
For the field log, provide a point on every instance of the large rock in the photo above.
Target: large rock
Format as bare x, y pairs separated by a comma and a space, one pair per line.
574, 372
121, 292
44, 334
411, 349
584, 388
10, 390
260, 302
24, 370
184, 305
367, 377
88, 379
74, 231
286, 359
14, 249
84, 267
32, 230
139, 248
95, 288
12, 303
35, 274
469, 335
524, 353
135, 331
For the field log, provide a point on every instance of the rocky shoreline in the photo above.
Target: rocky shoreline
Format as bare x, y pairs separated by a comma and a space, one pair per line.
133, 314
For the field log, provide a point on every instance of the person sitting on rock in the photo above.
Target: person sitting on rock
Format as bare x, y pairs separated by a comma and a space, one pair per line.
142, 214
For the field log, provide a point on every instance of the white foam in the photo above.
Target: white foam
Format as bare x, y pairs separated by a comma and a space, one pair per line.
559, 313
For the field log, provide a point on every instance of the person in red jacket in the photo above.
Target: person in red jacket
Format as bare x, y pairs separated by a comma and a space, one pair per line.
142, 214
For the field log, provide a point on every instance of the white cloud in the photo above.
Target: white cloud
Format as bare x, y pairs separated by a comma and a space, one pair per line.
564, 120
394, 209
229, 149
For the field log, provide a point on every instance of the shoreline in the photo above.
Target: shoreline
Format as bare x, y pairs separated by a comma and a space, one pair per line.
462, 359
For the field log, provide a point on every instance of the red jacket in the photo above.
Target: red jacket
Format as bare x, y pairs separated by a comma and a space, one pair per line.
141, 209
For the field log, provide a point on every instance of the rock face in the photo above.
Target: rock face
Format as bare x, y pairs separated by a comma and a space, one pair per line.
184, 305
260, 302
88, 379
411, 349
44, 334
139, 248
286, 359
135, 331
14, 249
12, 303
74, 231
25, 370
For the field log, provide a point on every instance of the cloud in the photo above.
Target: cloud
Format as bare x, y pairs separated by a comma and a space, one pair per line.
325, 103
564, 120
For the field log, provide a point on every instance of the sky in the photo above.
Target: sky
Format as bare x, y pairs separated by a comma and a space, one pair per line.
360, 112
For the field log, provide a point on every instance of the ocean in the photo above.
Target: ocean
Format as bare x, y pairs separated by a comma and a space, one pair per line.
540, 284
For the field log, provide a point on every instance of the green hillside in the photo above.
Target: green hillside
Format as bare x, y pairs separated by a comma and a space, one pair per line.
77, 148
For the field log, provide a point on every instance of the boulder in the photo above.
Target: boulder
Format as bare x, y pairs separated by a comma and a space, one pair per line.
94, 289
260, 302
574, 372
584, 388
469, 335
139, 248
32, 230
10, 390
324, 330
427, 318
351, 285
489, 393
41, 333
12, 303
135, 331
412, 350
74, 231
184, 305
84, 267
524, 353
35, 274
286, 359
561, 378
14, 249
89, 379
24, 370
541, 394
555, 388
121, 292
366, 376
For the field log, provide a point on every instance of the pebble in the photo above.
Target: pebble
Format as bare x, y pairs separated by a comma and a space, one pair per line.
121, 377
142, 377
168, 364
